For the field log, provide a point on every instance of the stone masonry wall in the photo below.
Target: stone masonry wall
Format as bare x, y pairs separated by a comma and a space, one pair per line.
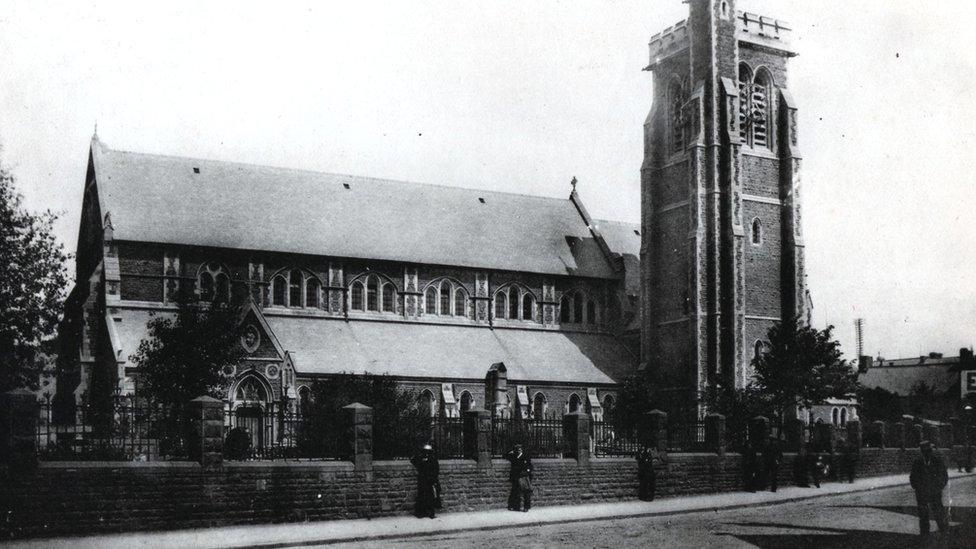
76, 498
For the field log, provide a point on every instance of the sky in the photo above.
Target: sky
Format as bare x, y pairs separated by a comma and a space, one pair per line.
522, 97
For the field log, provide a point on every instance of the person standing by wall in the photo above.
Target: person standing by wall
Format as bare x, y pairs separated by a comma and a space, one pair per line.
646, 476
428, 481
850, 455
520, 476
929, 477
772, 456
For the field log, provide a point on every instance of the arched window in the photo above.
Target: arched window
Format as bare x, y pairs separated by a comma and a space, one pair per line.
295, 288
528, 302
835, 416
843, 416
389, 298
428, 404
312, 292
745, 84
445, 291
676, 99
578, 309
590, 312
206, 286
725, 9
574, 403
430, 301
279, 289
460, 302
759, 109
757, 235
466, 401
755, 107
372, 289
356, 298
565, 309
251, 390
513, 304
501, 304
758, 348
539, 406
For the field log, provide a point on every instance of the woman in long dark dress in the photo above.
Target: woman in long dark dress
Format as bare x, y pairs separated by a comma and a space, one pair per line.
428, 483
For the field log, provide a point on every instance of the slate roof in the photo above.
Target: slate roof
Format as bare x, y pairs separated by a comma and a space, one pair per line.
166, 199
900, 376
621, 237
320, 346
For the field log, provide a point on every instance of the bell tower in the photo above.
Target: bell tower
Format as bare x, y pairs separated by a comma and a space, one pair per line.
722, 249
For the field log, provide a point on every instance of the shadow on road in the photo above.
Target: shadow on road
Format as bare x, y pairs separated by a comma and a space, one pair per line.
963, 535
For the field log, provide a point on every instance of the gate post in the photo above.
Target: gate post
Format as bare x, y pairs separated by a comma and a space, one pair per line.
207, 431
358, 419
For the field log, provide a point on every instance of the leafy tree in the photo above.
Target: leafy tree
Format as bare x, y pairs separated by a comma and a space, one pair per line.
183, 356
636, 397
801, 366
879, 404
738, 405
32, 285
399, 423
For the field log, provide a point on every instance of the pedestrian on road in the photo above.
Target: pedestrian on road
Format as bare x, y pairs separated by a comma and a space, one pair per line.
850, 455
929, 477
520, 475
772, 457
646, 476
818, 468
428, 482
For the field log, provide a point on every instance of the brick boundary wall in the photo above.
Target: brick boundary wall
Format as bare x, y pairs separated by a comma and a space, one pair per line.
70, 498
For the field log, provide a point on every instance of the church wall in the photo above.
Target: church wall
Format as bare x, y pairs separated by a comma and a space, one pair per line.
760, 176
775, 62
763, 262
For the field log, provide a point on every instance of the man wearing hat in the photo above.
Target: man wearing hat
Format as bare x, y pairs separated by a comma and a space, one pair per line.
520, 476
929, 477
428, 482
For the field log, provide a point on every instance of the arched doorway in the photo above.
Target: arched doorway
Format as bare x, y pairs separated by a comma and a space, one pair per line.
248, 411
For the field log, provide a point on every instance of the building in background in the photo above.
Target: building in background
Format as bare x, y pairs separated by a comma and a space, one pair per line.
926, 386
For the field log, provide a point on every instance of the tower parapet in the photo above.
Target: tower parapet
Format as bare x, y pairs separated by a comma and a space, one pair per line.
669, 41
764, 31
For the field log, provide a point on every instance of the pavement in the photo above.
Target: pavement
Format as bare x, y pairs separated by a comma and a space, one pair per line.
406, 527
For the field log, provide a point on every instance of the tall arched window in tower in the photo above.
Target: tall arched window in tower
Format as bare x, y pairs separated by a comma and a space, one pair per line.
676, 100
757, 236
745, 85
760, 109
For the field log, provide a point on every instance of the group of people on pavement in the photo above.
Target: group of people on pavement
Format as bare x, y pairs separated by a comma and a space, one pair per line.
929, 476
429, 484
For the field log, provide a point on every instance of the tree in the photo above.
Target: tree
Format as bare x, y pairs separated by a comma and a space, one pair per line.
635, 398
33, 278
879, 404
738, 405
183, 356
801, 365
397, 418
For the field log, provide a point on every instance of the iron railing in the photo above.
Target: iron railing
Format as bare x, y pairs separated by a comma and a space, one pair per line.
610, 440
538, 437
276, 432
687, 437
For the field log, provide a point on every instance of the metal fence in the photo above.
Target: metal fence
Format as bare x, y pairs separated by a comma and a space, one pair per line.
610, 440
539, 437
278, 433
121, 431
444, 434
687, 437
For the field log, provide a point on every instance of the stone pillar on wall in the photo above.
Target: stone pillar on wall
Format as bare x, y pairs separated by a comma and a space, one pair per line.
854, 433
207, 431
825, 437
411, 293
715, 433
758, 431
576, 433
477, 437
878, 434
897, 435
548, 303
482, 298
653, 430
19, 411
358, 419
496, 390
794, 434
336, 301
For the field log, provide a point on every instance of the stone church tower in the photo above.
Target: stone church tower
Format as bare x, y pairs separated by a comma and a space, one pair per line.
722, 249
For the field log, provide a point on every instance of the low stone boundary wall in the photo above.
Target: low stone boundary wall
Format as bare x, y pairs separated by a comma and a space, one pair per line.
83, 497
